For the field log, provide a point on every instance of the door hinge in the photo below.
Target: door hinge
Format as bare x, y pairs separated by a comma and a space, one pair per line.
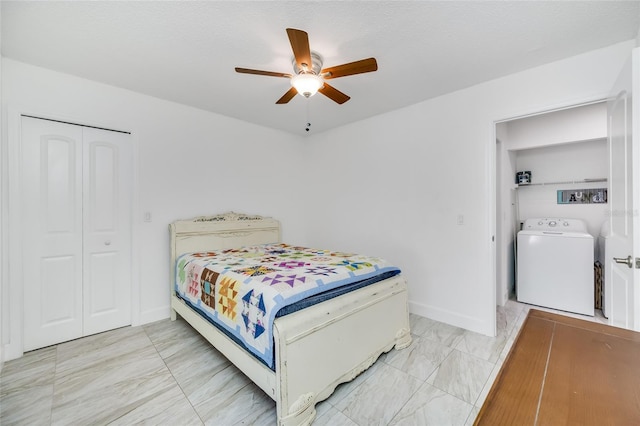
637, 262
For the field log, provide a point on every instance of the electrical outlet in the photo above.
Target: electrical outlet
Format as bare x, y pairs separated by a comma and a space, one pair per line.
147, 217
460, 219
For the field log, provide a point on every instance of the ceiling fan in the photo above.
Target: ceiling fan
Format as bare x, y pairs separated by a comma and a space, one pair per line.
308, 75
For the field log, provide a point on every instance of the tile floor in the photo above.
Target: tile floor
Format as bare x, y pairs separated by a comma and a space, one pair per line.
145, 375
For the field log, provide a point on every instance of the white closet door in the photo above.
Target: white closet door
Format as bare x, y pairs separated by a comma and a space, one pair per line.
52, 229
76, 192
107, 230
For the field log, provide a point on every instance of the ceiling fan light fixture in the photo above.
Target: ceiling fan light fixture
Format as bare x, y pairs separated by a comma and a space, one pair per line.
307, 84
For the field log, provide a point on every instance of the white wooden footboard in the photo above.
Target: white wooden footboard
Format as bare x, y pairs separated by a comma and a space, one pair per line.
332, 342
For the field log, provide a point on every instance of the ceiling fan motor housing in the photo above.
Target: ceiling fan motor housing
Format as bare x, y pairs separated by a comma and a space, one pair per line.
315, 67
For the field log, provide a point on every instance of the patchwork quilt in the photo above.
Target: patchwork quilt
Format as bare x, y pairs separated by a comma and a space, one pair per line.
241, 290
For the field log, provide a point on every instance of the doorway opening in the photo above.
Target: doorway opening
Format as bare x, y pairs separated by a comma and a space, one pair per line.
538, 157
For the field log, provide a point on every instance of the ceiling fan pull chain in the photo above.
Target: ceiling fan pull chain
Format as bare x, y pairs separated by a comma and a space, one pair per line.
308, 115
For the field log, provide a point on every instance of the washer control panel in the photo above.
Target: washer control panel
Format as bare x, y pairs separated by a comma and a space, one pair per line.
555, 225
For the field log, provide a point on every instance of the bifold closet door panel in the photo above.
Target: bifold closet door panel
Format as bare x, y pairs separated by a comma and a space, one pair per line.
107, 230
76, 226
51, 191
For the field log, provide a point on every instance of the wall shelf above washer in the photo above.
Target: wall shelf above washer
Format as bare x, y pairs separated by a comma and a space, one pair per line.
567, 182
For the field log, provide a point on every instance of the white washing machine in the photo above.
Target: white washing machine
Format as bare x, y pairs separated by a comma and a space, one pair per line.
555, 265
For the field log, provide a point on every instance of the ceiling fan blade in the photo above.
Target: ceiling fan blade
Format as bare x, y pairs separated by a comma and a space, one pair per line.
260, 72
333, 94
357, 67
300, 45
287, 96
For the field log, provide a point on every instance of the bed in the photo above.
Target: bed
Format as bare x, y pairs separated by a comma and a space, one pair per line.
315, 348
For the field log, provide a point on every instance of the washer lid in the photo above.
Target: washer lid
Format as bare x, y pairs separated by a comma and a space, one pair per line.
554, 234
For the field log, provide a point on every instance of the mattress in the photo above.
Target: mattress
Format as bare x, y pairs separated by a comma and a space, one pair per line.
241, 291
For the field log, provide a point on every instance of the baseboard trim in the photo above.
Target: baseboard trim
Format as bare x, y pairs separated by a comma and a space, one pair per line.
153, 315
450, 317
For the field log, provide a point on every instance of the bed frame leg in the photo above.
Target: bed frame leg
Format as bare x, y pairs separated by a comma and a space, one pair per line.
302, 411
174, 316
403, 338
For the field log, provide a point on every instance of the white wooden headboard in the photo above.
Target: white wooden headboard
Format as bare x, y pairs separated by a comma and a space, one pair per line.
227, 230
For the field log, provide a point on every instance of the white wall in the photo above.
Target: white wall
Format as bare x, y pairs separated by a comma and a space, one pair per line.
3, 213
581, 123
505, 215
564, 163
189, 163
399, 181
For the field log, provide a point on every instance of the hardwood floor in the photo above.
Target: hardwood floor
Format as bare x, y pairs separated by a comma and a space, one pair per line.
564, 371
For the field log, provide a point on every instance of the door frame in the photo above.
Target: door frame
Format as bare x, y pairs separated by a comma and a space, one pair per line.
13, 295
635, 158
493, 171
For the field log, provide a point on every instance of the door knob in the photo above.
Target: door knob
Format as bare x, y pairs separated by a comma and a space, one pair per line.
626, 260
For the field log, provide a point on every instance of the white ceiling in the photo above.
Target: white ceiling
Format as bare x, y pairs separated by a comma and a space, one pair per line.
186, 51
